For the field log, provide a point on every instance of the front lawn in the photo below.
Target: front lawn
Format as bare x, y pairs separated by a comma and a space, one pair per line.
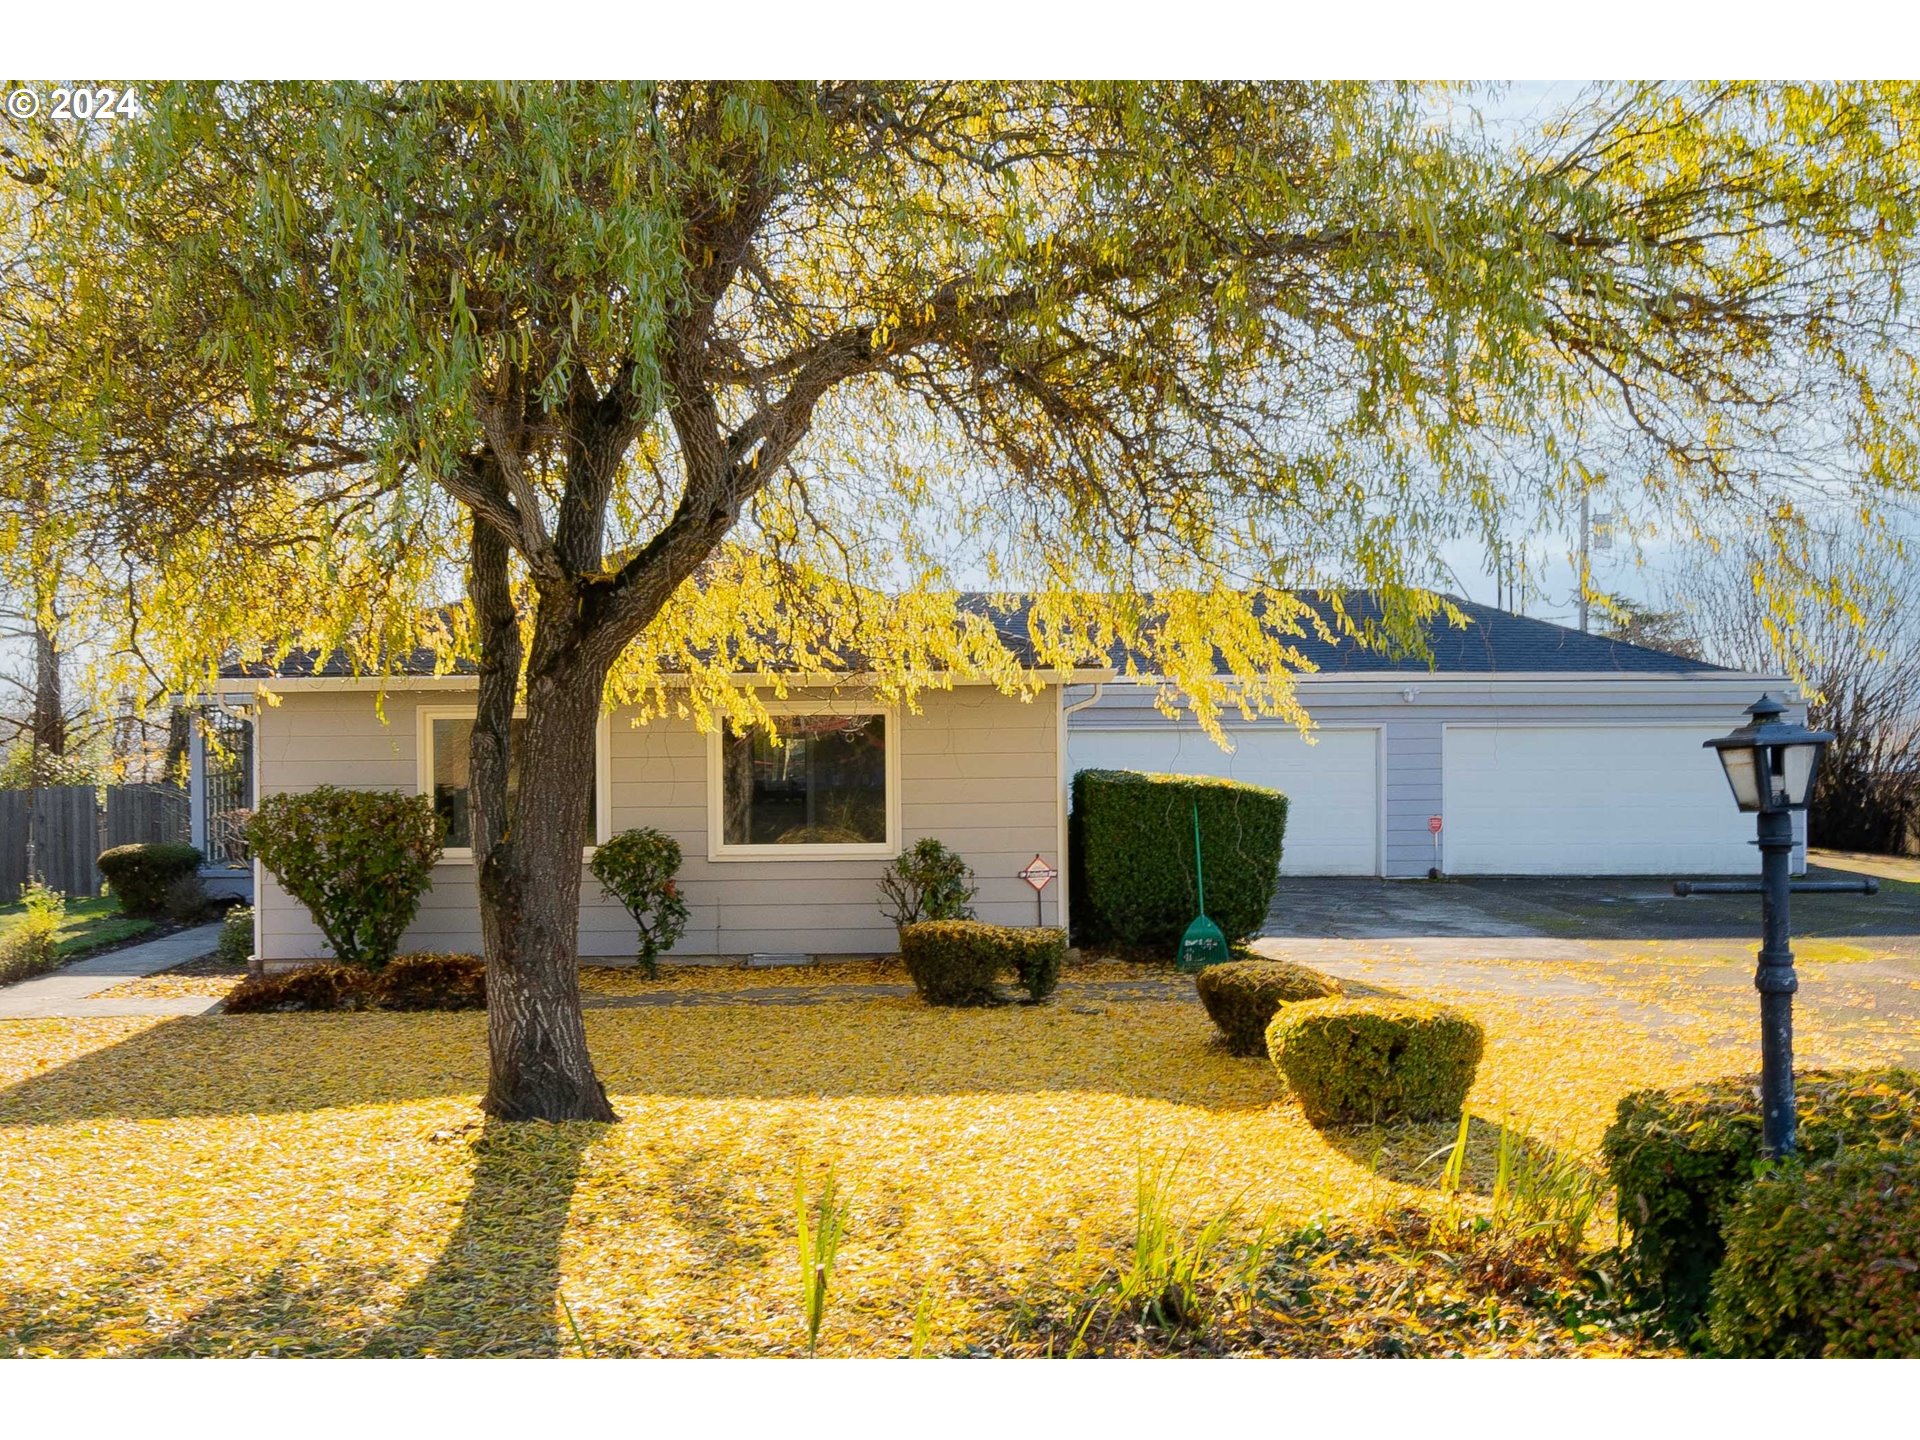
317, 1184
90, 924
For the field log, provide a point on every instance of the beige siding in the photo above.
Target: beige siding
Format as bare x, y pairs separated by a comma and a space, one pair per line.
977, 769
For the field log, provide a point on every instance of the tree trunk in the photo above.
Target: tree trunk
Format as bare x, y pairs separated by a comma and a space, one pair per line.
49, 718
527, 849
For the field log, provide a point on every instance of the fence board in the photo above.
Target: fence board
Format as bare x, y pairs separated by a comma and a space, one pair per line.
69, 827
144, 815
13, 843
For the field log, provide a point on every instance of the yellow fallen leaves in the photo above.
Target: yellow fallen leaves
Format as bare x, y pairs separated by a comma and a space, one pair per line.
723, 978
315, 1184
169, 984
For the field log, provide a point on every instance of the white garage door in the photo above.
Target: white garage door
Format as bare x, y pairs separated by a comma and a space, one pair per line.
1590, 800
1332, 786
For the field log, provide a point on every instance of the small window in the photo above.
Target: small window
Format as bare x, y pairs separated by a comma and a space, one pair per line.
817, 784
447, 770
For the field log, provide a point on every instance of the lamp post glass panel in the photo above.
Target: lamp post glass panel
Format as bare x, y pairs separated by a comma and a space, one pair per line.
1770, 764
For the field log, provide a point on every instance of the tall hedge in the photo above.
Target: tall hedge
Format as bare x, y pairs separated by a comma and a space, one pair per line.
1130, 855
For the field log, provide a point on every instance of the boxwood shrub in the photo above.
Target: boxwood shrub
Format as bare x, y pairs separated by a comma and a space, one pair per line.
1243, 996
359, 860
141, 875
1130, 854
956, 962
1824, 1260
1360, 1061
1680, 1158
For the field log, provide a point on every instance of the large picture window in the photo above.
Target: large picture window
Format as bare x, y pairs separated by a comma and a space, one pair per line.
817, 784
446, 771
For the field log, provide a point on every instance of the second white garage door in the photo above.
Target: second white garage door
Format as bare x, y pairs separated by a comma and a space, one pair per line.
1589, 800
1332, 786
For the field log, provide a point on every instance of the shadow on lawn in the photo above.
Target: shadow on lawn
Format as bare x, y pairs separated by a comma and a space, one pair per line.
495, 1287
1416, 1154
258, 1065
276, 1064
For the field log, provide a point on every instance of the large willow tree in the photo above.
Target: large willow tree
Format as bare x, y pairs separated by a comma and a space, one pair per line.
626, 391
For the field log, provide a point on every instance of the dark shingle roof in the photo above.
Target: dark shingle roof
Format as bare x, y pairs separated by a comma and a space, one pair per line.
1493, 642
1500, 642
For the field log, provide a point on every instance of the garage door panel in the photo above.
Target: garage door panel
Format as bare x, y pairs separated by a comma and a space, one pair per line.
1332, 786
1594, 800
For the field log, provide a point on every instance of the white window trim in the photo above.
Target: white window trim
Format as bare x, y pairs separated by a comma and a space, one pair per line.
425, 715
719, 850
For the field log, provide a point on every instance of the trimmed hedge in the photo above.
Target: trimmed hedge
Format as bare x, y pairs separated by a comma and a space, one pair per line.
141, 875
1362, 1061
956, 962
1679, 1160
1824, 1260
1243, 996
1130, 854
359, 860
411, 982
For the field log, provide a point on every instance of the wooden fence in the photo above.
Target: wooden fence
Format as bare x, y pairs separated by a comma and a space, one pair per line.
69, 825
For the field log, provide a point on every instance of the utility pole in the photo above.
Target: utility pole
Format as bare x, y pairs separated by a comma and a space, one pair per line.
1586, 534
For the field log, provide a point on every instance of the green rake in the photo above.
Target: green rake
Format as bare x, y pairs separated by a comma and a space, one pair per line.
1203, 944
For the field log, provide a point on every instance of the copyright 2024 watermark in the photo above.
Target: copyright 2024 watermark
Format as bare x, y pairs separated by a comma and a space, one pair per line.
73, 102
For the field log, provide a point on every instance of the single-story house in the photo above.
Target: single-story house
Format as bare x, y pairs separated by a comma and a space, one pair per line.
1535, 748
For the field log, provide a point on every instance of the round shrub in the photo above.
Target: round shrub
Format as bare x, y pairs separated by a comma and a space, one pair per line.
1130, 854
955, 962
235, 945
1360, 1061
141, 875
1679, 1159
359, 860
1824, 1260
311, 987
1243, 996
430, 982
637, 868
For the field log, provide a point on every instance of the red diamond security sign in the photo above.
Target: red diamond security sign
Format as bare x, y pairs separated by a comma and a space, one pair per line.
1038, 873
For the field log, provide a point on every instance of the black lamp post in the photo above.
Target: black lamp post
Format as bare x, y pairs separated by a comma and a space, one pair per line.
1770, 764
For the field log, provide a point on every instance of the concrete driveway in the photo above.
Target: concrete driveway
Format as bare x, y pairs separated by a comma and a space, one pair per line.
1607, 908
1624, 939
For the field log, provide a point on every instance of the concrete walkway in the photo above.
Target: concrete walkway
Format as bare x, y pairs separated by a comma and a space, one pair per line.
67, 992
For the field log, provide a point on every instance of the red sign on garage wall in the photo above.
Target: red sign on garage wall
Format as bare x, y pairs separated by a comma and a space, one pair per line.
1433, 824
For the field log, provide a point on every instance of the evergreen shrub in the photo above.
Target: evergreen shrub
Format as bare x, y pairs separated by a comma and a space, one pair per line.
1243, 996
1364, 1061
141, 875
1131, 862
